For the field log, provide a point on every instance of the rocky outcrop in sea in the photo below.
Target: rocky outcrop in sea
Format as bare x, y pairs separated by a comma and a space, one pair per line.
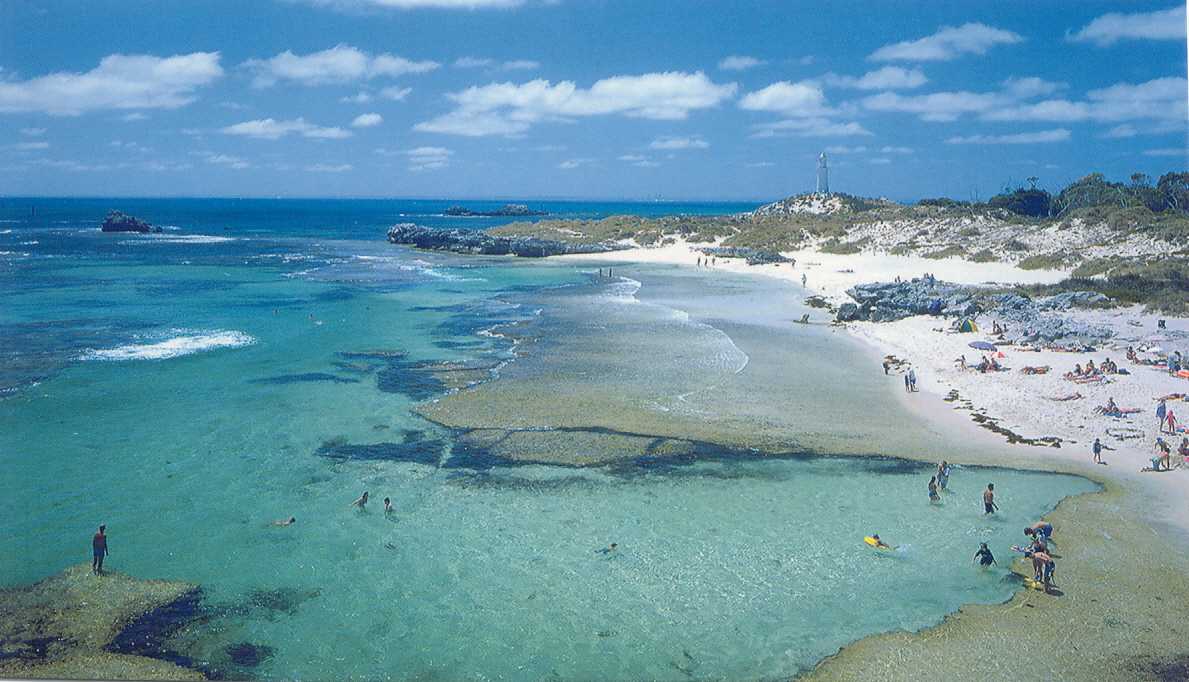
476, 242
117, 221
752, 256
505, 211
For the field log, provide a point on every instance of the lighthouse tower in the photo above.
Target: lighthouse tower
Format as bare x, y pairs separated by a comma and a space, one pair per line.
823, 175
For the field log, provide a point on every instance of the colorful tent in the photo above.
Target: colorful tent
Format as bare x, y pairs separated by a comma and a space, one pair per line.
967, 325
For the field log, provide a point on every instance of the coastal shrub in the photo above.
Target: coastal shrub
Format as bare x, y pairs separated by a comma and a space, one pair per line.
1015, 245
1031, 202
1095, 267
1044, 261
1161, 285
984, 256
969, 231
842, 248
948, 252
902, 249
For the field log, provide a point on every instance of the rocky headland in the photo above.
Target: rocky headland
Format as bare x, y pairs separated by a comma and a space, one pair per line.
505, 211
476, 242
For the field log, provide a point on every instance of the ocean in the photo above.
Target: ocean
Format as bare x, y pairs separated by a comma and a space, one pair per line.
261, 359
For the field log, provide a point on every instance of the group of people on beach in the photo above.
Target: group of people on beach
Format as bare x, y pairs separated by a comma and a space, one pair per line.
707, 262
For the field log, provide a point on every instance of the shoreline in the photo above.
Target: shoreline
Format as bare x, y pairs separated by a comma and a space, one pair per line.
1142, 507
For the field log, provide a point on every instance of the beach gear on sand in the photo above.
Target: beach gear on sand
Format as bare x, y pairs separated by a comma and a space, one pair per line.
981, 345
967, 325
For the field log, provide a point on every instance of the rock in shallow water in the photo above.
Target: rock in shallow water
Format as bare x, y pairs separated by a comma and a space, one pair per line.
476, 242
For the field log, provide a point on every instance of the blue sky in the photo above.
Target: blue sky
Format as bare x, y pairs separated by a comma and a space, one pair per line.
583, 98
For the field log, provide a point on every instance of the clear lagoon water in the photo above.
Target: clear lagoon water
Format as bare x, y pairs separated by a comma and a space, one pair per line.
261, 359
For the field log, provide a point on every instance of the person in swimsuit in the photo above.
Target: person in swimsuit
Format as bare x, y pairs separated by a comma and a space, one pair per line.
1042, 567
388, 508
361, 501
1040, 531
989, 506
983, 555
99, 550
608, 550
943, 474
285, 522
880, 543
933, 496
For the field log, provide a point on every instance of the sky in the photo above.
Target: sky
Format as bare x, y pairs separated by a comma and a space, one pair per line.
597, 99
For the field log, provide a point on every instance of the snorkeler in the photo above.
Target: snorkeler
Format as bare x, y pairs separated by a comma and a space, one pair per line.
361, 501
285, 522
983, 555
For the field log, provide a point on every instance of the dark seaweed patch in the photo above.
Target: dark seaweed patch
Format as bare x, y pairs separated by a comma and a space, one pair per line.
409, 379
147, 635
303, 378
248, 655
379, 354
337, 294
414, 447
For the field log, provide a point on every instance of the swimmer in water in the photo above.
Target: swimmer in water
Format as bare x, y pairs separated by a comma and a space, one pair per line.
943, 474
989, 506
983, 555
285, 522
361, 501
388, 508
608, 550
933, 496
880, 543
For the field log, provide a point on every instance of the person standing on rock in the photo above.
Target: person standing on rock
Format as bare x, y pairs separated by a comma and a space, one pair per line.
98, 550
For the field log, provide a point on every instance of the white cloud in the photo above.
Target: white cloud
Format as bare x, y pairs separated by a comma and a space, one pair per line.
1161, 99
134, 116
759, 164
339, 64
368, 120
1030, 86
520, 65
639, 160
1055, 135
948, 43
1169, 151
669, 142
394, 93
937, 106
226, 160
33, 132
740, 63
361, 97
130, 146
30, 146
792, 99
842, 149
272, 129
118, 82
472, 62
1121, 131
571, 164
1110, 28
895, 150
486, 62
428, 158
328, 168
809, 127
887, 78
879, 161
510, 108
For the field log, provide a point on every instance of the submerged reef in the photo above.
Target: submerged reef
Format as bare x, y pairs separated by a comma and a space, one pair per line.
70, 625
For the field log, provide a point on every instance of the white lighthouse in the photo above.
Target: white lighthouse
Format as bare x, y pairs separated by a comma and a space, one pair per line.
823, 175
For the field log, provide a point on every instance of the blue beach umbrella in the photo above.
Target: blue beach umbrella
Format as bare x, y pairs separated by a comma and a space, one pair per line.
982, 345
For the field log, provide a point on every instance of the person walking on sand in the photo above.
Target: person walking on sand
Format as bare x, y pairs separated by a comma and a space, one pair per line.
989, 506
1161, 410
99, 550
912, 379
886, 366
361, 501
1097, 449
804, 279
907, 386
1172, 422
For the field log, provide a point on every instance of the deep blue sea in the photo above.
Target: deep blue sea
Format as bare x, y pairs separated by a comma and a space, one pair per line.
265, 359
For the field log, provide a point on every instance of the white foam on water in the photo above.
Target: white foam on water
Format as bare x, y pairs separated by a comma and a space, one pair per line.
177, 346
179, 239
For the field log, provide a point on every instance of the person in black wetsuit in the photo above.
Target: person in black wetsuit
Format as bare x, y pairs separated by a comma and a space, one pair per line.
983, 555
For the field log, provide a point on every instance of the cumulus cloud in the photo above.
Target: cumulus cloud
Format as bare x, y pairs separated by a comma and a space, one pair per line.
1055, 135
740, 63
948, 43
485, 62
792, 99
1169, 151
134, 116
328, 168
1110, 28
226, 160
887, 78
272, 129
511, 108
759, 164
639, 160
937, 106
879, 161
428, 158
394, 93
368, 120
361, 97
30, 146
339, 64
670, 143
842, 149
1160, 99
809, 127
571, 164
118, 82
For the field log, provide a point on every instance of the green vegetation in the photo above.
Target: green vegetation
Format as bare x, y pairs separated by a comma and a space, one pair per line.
984, 256
1045, 261
832, 245
1161, 285
948, 252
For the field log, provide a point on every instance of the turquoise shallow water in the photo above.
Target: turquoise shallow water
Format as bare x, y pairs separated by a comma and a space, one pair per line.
188, 391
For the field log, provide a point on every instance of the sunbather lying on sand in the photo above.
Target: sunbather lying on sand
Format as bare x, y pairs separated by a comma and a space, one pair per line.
1044, 369
1071, 396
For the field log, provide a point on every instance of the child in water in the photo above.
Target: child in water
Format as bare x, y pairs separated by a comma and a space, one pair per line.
984, 556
